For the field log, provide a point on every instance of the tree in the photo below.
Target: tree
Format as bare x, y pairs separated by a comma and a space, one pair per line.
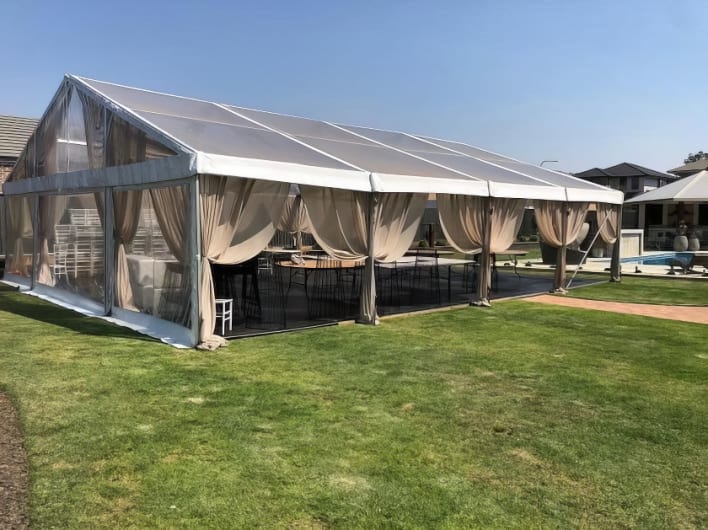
700, 155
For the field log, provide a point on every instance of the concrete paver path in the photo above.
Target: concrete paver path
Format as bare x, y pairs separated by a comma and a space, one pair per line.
671, 312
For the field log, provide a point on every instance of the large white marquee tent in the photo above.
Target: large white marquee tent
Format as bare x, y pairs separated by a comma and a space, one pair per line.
215, 181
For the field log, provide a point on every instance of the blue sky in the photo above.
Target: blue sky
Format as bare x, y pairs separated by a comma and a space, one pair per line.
588, 83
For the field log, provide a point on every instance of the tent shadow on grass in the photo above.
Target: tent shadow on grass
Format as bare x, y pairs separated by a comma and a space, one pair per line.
36, 309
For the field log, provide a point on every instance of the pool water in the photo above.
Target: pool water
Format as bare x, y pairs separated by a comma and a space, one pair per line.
666, 258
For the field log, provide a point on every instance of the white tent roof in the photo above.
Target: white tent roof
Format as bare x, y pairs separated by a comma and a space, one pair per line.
688, 189
233, 141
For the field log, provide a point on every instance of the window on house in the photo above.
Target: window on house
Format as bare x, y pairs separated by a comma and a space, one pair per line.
634, 185
703, 214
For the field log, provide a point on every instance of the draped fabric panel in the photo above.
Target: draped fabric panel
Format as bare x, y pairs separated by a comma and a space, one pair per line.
51, 209
238, 219
338, 219
489, 224
294, 218
255, 225
171, 205
608, 221
462, 221
127, 206
113, 142
354, 225
560, 223
19, 225
610, 216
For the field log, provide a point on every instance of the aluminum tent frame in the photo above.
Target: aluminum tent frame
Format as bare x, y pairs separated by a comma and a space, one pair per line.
213, 138
219, 139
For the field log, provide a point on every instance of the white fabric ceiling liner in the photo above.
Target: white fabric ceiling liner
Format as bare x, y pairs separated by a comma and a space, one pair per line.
693, 188
240, 142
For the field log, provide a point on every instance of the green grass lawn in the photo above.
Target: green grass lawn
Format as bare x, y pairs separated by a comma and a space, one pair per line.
520, 415
667, 291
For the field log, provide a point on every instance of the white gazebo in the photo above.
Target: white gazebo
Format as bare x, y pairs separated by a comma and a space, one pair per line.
688, 194
124, 199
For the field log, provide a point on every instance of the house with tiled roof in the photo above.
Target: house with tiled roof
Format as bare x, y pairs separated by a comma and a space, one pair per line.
632, 179
690, 168
14, 133
659, 221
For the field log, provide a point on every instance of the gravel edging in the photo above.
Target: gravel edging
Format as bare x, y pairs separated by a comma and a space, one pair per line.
13, 469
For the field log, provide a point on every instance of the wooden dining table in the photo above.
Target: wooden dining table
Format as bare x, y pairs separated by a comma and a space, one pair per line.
315, 263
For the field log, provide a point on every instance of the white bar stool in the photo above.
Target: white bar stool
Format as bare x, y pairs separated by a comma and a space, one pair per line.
225, 312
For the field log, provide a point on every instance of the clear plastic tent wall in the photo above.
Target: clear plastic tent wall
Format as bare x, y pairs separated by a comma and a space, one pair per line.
129, 161
77, 240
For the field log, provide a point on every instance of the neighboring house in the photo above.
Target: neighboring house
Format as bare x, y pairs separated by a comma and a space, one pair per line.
691, 168
632, 179
14, 133
659, 221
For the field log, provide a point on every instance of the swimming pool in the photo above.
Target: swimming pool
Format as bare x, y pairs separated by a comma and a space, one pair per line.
665, 258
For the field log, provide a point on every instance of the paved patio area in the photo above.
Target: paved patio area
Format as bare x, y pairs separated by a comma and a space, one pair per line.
698, 315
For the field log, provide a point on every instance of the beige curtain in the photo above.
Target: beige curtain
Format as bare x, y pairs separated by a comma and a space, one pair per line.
127, 206
51, 209
294, 218
354, 225
560, 223
238, 219
171, 206
480, 224
608, 221
608, 218
19, 225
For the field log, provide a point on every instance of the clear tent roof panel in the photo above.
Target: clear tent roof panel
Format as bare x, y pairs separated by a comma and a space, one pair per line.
397, 140
379, 159
242, 142
300, 127
230, 131
550, 177
143, 100
480, 170
467, 149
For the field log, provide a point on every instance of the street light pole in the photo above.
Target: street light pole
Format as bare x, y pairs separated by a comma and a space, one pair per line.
548, 162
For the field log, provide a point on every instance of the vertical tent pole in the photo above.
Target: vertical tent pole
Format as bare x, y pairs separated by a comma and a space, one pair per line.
109, 247
615, 264
484, 279
195, 253
35, 238
367, 300
559, 277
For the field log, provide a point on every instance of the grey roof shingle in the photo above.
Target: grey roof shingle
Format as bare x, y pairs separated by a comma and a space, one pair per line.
691, 167
624, 170
592, 173
14, 133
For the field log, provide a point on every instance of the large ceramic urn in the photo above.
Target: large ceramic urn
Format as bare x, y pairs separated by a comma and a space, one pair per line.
680, 243
694, 243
